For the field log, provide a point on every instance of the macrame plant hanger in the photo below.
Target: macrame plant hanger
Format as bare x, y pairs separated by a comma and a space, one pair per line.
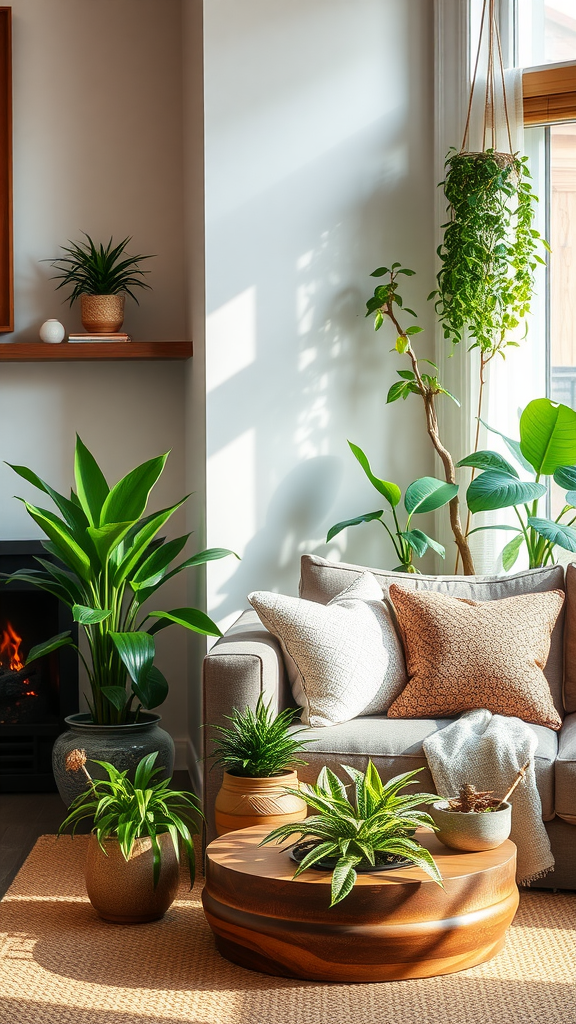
494, 77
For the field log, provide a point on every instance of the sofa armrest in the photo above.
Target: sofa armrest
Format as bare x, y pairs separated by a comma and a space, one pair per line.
244, 663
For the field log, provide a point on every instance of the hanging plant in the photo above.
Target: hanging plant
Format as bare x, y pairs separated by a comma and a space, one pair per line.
489, 251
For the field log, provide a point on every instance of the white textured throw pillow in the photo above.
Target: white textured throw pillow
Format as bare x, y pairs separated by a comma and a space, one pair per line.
344, 659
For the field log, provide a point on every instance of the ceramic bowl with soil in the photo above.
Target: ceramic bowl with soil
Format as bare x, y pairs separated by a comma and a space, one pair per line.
472, 830
385, 862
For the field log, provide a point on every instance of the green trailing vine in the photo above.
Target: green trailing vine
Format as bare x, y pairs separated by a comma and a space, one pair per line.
489, 251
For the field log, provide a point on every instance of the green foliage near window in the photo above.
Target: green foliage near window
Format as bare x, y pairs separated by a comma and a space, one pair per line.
386, 304
423, 495
489, 249
258, 744
109, 562
379, 823
91, 269
546, 449
129, 811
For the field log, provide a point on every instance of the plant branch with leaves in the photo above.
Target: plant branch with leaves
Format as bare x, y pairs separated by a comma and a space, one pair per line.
385, 304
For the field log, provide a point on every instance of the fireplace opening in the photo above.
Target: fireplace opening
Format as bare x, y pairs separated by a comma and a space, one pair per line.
34, 699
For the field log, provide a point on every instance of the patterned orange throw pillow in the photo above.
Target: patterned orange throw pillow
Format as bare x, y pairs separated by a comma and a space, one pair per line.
463, 654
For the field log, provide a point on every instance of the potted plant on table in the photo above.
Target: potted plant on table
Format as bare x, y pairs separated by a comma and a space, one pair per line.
259, 756
132, 864
110, 561
101, 277
475, 820
375, 833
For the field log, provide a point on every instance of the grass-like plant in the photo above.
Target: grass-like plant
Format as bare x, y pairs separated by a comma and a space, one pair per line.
378, 824
129, 811
109, 561
91, 269
258, 744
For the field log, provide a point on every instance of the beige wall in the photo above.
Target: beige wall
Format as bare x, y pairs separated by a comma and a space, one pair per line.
98, 147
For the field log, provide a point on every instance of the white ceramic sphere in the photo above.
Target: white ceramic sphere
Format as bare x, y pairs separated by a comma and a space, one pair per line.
52, 332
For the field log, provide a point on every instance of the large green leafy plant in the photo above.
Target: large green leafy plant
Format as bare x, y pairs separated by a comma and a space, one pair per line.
129, 811
423, 495
258, 744
546, 450
91, 269
109, 562
379, 823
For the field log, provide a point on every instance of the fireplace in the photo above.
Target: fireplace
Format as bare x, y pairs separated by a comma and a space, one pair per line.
33, 701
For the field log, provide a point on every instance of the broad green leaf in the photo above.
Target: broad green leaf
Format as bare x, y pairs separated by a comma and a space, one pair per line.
61, 640
69, 551
428, 494
88, 616
106, 538
116, 695
145, 770
368, 517
402, 343
343, 878
190, 618
557, 533
151, 689
389, 490
209, 555
380, 272
548, 435
72, 513
153, 569
565, 476
422, 538
512, 446
571, 498
74, 590
90, 483
488, 460
137, 650
414, 330
511, 551
137, 541
128, 498
493, 490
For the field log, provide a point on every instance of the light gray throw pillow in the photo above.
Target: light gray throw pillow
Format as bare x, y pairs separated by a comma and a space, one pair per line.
344, 659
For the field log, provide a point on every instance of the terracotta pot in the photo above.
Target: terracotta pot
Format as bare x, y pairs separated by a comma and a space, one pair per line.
243, 801
471, 830
102, 314
123, 891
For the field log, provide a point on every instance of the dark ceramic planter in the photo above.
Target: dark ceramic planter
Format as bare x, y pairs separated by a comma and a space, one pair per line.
122, 745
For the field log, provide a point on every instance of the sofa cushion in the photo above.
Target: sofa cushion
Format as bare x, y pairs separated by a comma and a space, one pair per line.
395, 746
566, 771
320, 580
343, 659
570, 640
462, 655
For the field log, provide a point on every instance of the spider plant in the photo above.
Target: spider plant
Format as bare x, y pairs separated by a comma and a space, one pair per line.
91, 269
129, 811
109, 562
378, 824
258, 744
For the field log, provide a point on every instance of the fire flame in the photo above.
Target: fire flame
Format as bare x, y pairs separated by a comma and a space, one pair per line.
10, 648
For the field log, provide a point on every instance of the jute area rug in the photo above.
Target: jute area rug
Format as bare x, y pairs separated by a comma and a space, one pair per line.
59, 964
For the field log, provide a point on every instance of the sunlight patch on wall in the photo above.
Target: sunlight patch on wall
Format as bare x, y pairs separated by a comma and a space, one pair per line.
231, 514
230, 338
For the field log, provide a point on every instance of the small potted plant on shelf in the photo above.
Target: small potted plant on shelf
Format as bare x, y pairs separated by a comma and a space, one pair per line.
132, 864
259, 755
375, 833
109, 562
475, 820
100, 276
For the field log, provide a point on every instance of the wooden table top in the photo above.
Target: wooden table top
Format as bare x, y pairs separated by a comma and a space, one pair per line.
240, 852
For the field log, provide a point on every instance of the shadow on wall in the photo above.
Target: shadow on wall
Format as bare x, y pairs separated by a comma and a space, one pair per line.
295, 514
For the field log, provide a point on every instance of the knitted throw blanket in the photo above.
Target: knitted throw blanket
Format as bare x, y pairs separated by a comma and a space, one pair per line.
488, 751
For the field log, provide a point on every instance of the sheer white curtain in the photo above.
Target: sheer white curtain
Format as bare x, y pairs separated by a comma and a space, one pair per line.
510, 383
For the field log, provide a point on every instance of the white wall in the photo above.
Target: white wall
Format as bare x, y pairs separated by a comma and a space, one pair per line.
98, 147
318, 169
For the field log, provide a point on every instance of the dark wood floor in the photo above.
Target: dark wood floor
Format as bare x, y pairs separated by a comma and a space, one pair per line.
25, 816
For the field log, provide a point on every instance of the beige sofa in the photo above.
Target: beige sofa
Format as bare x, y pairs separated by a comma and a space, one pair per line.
248, 661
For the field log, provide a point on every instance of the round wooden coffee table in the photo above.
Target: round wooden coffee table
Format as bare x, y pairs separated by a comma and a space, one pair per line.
394, 924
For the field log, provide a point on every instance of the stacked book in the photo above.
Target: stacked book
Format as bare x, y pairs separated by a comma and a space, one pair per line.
85, 336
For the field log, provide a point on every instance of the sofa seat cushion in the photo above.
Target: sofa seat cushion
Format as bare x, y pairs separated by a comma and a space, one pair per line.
395, 746
566, 771
320, 580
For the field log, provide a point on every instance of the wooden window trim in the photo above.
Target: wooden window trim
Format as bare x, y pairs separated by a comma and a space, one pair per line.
550, 95
6, 241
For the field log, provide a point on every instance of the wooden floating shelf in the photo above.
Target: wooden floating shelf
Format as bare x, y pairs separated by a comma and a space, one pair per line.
39, 352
